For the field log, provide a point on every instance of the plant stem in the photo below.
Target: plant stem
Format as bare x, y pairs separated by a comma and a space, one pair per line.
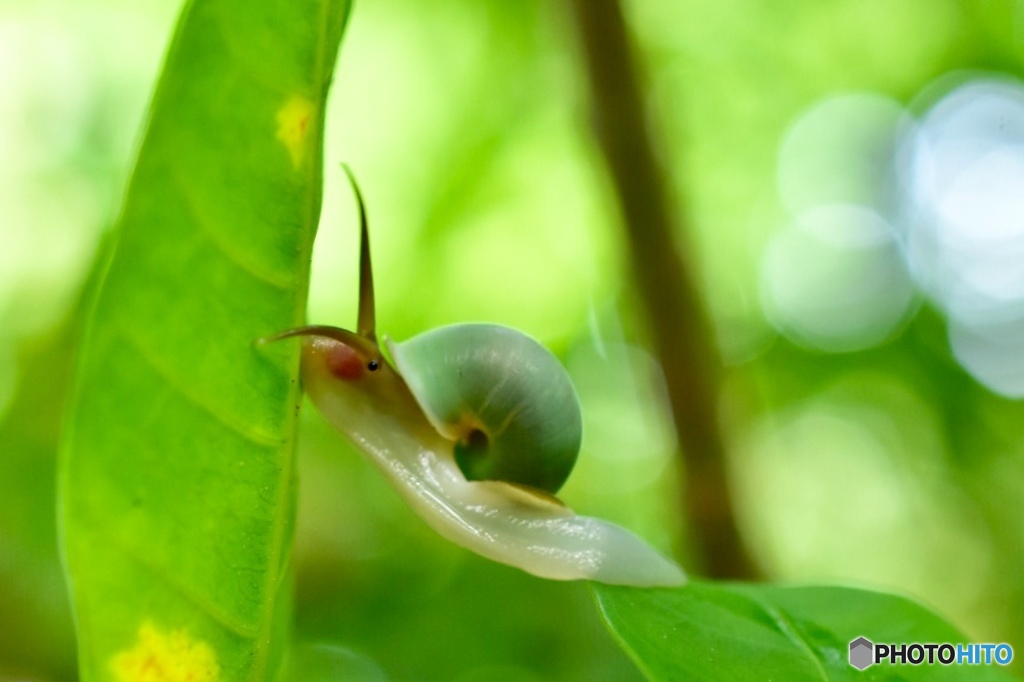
679, 326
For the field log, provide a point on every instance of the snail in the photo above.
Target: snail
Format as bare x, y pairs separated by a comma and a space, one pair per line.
477, 426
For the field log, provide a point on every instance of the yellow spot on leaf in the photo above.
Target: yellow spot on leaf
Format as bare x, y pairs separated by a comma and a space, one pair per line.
294, 123
166, 657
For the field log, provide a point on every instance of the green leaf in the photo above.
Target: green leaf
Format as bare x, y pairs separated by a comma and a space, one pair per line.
708, 631
178, 476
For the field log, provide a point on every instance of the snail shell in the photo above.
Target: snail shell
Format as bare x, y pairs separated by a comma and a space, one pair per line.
503, 398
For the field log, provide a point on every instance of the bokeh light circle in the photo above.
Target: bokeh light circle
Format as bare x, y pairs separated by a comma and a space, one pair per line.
965, 244
835, 280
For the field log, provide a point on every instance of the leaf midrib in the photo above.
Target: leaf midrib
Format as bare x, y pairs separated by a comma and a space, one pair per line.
278, 569
779, 617
788, 628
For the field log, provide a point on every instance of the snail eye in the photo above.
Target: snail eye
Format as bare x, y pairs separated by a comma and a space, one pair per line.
372, 365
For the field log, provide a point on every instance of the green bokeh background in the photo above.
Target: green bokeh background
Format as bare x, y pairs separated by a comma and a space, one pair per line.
466, 122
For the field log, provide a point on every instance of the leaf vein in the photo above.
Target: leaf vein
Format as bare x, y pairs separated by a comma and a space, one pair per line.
223, 618
240, 427
787, 628
207, 228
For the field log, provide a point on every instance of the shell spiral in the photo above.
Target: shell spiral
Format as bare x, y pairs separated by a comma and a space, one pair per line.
504, 399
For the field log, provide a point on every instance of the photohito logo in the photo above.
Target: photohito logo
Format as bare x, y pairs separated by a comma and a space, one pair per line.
864, 652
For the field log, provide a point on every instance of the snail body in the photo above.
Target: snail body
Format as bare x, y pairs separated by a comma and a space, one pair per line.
477, 426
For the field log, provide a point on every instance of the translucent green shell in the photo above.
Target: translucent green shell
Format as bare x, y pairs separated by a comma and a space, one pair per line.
504, 399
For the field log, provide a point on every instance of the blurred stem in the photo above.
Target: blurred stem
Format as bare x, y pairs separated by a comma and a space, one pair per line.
679, 325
